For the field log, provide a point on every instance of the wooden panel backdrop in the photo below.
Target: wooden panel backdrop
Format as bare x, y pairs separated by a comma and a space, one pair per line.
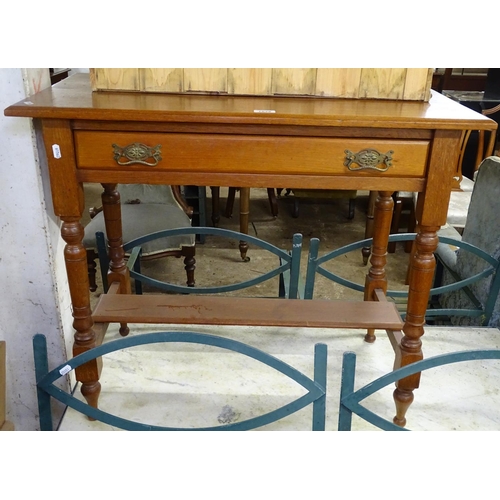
354, 83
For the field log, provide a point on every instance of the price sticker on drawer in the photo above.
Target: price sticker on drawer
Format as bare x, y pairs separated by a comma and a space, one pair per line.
264, 111
56, 151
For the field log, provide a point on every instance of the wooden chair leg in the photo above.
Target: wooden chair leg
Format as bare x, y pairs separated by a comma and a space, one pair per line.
231, 194
273, 202
189, 264
352, 208
215, 205
91, 265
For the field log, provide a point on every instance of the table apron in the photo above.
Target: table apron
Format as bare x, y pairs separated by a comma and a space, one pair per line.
257, 155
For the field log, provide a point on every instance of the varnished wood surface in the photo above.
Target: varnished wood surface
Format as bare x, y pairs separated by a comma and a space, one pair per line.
249, 154
206, 310
73, 99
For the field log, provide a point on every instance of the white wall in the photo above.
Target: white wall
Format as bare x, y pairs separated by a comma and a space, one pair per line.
33, 292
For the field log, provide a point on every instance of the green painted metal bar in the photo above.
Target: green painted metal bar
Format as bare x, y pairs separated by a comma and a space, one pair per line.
338, 279
312, 265
41, 370
207, 231
134, 266
210, 289
134, 256
295, 266
319, 405
435, 313
407, 237
346, 388
402, 293
314, 389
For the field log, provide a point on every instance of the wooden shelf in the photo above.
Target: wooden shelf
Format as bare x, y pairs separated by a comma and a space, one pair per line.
247, 311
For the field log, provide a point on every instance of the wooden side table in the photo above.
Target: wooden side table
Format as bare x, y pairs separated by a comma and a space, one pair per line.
307, 143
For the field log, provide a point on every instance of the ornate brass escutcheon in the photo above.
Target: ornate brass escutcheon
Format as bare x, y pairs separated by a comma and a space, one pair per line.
137, 153
368, 159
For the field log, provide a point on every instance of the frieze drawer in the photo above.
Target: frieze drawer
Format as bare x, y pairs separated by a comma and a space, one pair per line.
250, 154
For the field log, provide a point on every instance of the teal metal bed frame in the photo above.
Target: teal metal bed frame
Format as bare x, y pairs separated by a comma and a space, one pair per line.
288, 268
46, 389
492, 264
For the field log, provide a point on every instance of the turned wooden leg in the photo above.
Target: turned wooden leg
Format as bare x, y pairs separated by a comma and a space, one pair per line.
75, 257
244, 216
189, 264
421, 275
376, 278
370, 214
215, 205
403, 401
118, 271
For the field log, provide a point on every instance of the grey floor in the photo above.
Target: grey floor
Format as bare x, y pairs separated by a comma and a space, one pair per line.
197, 386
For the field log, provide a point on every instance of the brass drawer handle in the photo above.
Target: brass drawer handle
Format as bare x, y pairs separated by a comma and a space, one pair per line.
368, 159
137, 153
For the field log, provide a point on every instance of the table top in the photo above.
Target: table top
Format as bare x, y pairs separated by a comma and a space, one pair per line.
73, 99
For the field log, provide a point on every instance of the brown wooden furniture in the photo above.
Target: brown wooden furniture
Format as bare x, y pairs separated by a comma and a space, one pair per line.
360, 144
5, 425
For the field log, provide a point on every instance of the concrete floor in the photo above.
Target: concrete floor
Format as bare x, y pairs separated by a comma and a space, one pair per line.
192, 386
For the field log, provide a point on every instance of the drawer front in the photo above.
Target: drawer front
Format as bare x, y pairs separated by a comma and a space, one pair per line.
210, 153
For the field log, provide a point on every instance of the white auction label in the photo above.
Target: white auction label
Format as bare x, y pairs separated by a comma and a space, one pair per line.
264, 111
65, 369
56, 151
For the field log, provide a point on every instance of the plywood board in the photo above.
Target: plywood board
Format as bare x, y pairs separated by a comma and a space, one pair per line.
294, 81
345, 83
205, 79
333, 82
417, 84
116, 79
162, 79
253, 81
382, 83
